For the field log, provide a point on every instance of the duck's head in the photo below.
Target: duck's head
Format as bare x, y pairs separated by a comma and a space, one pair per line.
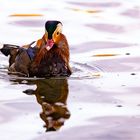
53, 30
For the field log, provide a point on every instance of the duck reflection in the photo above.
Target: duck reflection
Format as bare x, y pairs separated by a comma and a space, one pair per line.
52, 95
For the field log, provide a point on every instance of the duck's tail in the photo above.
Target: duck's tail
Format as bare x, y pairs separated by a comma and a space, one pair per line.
6, 48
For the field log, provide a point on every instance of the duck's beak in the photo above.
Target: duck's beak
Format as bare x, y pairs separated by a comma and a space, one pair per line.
49, 44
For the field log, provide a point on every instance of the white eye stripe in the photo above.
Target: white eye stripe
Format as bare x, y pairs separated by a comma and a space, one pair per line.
57, 31
46, 32
59, 28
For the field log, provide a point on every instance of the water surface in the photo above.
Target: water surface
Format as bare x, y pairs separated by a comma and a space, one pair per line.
100, 100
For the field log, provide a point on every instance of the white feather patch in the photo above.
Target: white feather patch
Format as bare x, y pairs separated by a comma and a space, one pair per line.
34, 44
48, 48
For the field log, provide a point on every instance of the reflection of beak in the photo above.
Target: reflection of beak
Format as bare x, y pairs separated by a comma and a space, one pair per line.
49, 44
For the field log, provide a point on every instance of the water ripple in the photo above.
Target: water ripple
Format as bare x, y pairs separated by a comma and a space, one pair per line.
107, 28
133, 13
28, 23
99, 4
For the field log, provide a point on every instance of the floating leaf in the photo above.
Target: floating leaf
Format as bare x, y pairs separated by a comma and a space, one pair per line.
25, 15
104, 55
86, 11
96, 74
92, 11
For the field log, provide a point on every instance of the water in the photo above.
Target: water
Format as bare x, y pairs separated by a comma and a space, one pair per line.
100, 100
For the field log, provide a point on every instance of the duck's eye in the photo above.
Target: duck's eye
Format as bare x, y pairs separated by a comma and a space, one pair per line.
57, 33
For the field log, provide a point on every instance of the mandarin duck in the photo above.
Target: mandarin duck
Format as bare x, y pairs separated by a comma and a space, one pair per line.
48, 56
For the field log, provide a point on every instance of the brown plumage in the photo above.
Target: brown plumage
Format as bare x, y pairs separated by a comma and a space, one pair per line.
54, 62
